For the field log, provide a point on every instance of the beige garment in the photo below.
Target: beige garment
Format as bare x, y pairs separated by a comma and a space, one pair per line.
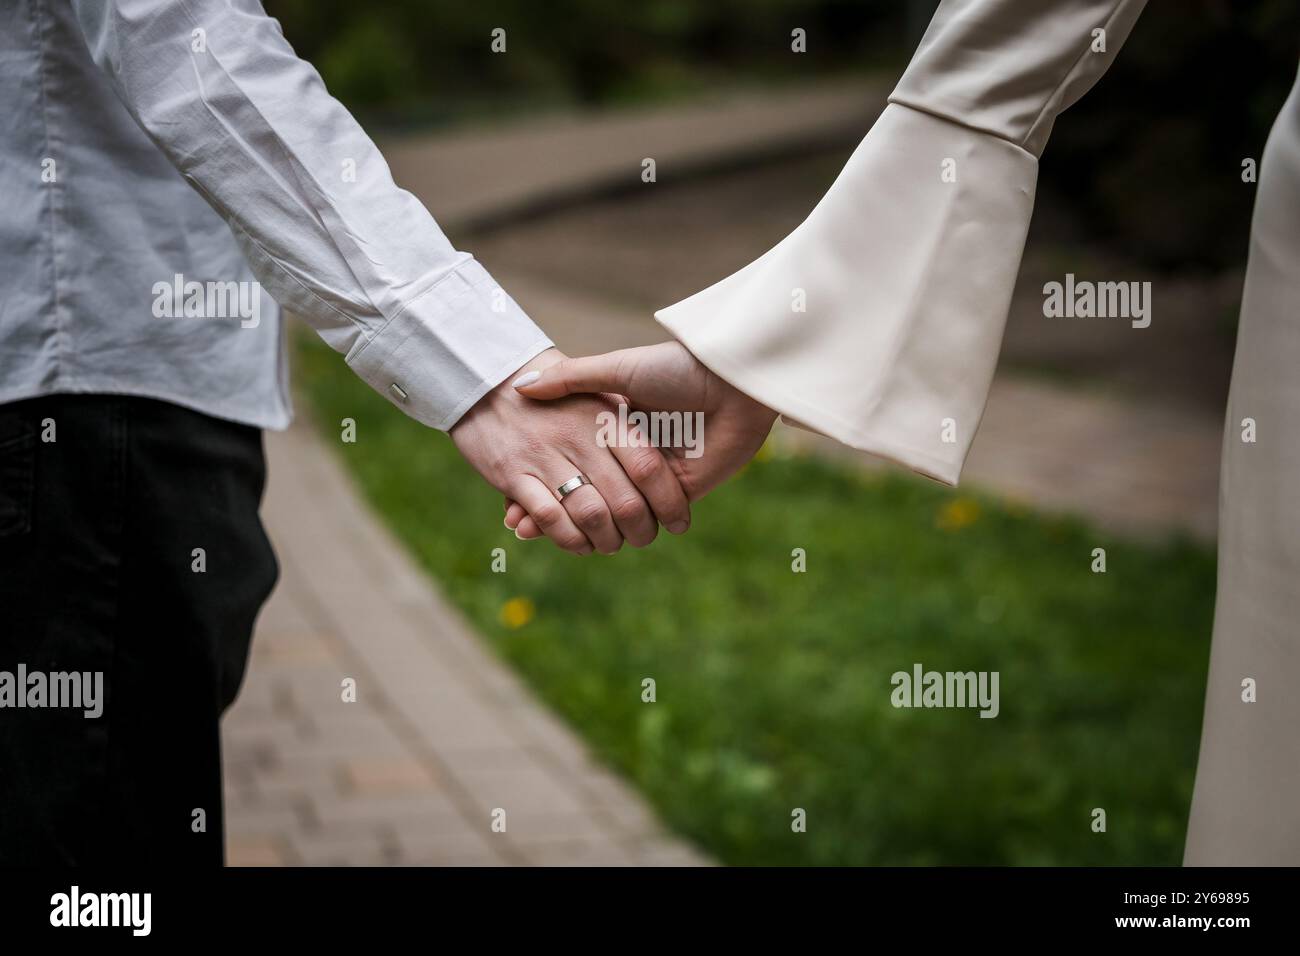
905, 271
1246, 808
907, 264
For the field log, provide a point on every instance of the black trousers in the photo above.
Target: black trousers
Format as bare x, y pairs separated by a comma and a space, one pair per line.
130, 546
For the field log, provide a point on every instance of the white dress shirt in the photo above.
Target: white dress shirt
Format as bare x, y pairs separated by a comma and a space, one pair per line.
143, 140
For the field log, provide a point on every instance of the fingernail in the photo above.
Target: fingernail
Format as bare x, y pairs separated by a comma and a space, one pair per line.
526, 379
679, 527
518, 535
506, 521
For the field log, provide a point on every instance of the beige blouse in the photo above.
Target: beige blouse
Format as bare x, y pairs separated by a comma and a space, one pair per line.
878, 321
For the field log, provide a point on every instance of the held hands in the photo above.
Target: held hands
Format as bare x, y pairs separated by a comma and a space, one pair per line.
655, 378
526, 449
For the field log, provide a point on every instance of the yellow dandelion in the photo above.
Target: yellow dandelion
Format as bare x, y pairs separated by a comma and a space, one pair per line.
957, 514
517, 612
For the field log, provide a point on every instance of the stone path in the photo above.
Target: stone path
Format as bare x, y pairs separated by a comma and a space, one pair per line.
489, 174
440, 736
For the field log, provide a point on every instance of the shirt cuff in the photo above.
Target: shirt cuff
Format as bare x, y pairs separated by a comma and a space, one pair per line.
448, 347
878, 321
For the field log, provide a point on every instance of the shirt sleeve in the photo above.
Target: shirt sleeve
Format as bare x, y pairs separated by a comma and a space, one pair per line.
311, 200
878, 321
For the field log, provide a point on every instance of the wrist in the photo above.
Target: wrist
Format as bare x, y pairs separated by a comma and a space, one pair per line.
503, 394
747, 409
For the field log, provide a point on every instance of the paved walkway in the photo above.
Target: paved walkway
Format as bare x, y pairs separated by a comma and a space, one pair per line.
488, 174
440, 737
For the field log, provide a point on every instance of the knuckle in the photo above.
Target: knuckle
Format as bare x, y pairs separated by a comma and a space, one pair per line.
575, 543
589, 514
645, 467
548, 516
629, 509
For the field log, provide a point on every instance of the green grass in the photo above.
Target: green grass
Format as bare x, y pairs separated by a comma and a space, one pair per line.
773, 688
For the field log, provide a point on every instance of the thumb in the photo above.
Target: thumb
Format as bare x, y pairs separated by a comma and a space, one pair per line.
592, 373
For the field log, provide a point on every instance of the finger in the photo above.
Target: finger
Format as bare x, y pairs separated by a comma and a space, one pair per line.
549, 515
586, 506
649, 470
590, 373
521, 523
632, 515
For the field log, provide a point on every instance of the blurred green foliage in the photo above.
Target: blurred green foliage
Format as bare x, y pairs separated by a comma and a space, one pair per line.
577, 51
1152, 157
773, 687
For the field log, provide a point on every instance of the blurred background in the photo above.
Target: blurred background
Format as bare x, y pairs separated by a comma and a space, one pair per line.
518, 680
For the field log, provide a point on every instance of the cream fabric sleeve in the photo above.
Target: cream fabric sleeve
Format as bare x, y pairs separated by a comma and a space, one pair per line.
904, 270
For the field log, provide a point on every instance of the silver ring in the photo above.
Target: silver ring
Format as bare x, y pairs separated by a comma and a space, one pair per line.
572, 485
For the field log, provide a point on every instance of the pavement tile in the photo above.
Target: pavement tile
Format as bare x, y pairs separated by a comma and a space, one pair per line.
434, 811
525, 788
244, 850
324, 849
578, 853
446, 847
368, 776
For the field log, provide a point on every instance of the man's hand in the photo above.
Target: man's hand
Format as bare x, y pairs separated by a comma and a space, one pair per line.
664, 377
527, 449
